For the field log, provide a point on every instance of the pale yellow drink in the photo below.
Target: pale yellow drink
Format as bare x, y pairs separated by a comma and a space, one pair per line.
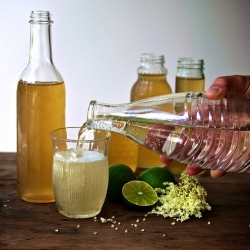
80, 183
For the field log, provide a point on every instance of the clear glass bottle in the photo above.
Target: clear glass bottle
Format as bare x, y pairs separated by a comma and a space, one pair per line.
187, 127
40, 109
189, 77
152, 81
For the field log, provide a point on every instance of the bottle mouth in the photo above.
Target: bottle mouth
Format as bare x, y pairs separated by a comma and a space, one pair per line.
152, 64
152, 58
190, 63
40, 16
90, 113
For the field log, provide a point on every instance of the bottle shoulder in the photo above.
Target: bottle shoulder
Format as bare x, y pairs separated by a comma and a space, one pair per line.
41, 72
144, 89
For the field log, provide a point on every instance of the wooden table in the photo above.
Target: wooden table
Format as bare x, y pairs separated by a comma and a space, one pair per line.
39, 226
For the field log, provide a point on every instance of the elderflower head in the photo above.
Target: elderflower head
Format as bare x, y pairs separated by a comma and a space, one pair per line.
182, 201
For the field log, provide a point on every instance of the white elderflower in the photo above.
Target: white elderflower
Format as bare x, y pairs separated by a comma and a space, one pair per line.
182, 201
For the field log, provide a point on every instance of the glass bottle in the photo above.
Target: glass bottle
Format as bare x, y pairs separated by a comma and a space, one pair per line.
189, 77
152, 81
187, 127
40, 109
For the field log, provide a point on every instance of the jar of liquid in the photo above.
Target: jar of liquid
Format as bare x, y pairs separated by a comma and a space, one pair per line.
189, 77
152, 81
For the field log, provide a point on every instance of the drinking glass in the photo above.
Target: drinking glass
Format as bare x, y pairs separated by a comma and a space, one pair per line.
80, 171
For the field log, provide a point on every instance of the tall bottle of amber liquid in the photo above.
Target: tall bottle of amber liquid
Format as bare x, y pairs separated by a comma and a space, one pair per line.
40, 109
152, 81
189, 77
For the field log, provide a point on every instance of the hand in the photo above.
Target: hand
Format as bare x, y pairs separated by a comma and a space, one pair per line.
237, 85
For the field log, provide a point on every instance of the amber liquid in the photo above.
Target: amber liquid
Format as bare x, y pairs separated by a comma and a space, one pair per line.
122, 150
148, 86
40, 109
185, 85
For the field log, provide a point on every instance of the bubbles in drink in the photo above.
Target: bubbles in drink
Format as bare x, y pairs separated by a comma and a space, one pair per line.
81, 182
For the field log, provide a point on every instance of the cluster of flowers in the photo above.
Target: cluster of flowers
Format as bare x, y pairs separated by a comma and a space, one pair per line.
181, 201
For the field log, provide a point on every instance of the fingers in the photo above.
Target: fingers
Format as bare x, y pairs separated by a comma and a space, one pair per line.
217, 173
193, 170
164, 159
238, 85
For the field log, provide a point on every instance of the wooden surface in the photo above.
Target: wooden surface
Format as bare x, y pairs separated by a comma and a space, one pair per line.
39, 226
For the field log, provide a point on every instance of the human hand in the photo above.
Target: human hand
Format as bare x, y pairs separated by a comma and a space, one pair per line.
237, 85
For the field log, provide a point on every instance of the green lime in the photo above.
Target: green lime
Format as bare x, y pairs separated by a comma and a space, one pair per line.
119, 174
156, 176
139, 194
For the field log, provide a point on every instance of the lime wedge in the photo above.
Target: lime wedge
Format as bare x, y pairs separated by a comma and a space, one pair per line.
139, 194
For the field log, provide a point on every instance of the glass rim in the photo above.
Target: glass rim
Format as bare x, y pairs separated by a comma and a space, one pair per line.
55, 137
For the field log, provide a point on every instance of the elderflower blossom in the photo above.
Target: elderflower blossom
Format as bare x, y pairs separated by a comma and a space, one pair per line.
182, 201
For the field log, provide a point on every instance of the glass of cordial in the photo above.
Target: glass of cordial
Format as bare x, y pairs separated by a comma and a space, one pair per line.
80, 171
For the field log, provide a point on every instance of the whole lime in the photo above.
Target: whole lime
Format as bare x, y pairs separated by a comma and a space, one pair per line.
119, 174
156, 176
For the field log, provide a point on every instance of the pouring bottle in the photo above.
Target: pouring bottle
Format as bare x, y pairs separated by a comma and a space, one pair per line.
187, 127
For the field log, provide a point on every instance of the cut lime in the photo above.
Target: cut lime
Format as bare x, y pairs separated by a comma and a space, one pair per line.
139, 194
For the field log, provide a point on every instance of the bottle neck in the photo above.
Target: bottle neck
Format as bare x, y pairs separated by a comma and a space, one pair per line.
40, 40
190, 68
40, 68
40, 43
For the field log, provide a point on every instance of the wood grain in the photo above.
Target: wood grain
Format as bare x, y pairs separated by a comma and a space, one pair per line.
39, 226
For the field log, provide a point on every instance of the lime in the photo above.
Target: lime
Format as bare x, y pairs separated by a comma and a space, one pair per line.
156, 176
119, 174
139, 194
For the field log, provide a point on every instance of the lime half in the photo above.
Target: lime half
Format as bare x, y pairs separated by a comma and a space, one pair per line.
139, 194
